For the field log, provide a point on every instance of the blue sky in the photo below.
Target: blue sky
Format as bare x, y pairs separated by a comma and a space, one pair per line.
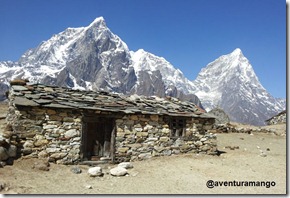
188, 33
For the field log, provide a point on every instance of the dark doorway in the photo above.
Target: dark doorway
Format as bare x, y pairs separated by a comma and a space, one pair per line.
98, 138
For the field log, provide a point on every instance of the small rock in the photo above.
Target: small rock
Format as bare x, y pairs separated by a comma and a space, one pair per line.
41, 165
9, 161
268, 149
88, 187
144, 156
2, 164
71, 133
76, 170
203, 139
118, 171
42, 154
258, 147
198, 143
125, 165
95, 172
2, 186
26, 151
262, 154
3, 154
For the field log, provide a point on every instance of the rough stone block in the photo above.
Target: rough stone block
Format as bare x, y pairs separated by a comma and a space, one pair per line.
68, 119
120, 134
164, 139
154, 118
167, 152
141, 134
52, 150
51, 112
49, 126
43, 154
63, 114
55, 118
138, 129
134, 117
144, 156
165, 130
123, 149
198, 143
3, 154
58, 155
40, 143
119, 130
71, 133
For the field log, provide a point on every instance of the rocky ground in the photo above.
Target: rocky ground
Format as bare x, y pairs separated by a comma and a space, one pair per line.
244, 157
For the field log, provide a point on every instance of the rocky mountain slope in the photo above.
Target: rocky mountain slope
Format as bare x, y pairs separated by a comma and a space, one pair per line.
230, 83
94, 58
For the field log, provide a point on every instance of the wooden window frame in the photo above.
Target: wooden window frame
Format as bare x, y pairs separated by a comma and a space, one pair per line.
177, 126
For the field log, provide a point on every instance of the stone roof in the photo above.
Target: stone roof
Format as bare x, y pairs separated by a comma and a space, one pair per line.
59, 97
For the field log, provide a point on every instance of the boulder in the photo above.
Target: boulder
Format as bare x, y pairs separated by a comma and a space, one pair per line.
3, 154
220, 115
118, 171
95, 172
76, 170
12, 151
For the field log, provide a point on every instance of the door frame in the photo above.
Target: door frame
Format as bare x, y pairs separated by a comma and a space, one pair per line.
84, 135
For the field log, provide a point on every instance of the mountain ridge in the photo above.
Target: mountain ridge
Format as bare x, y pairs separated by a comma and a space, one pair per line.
94, 58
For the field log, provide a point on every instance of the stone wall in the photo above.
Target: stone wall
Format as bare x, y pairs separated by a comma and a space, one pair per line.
144, 136
278, 119
55, 134
230, 128
45, 133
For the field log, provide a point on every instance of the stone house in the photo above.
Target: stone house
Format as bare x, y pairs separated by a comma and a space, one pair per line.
278, 119
72, 126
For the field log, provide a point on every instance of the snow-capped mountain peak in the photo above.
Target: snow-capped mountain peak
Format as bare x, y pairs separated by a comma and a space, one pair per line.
230, 82
146, 62
94, 58
98, 22
236, 52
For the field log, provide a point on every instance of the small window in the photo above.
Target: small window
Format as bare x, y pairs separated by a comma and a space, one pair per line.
177, 126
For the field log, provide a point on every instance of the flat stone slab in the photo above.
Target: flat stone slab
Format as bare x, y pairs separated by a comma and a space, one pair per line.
32, 96
43, 101
19, 88
58, 106
21, 101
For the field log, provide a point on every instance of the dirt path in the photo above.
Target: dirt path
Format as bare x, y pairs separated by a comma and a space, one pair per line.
183, 174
